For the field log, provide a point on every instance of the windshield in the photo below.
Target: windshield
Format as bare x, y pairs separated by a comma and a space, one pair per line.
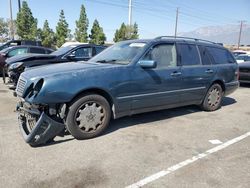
3, 46
62, 50
120, 53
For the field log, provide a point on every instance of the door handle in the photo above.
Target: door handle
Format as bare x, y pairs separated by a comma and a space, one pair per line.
209, 71
176, 73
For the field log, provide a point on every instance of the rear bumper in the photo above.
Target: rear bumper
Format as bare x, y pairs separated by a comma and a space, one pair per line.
43, 128
231, 87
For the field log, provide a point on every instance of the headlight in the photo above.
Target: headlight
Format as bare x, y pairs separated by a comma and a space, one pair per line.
33, 90
15, 65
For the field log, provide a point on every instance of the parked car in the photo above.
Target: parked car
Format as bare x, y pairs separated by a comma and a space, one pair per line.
69, 53
242, 58
238, 52
130, 77
9, 52
244, 72
19, 42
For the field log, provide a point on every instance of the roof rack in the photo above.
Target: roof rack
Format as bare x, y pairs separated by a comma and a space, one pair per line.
186, 38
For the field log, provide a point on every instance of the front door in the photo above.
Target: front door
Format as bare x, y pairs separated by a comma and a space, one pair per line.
153, 88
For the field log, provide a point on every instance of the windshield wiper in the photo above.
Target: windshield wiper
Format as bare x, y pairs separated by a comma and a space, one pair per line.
106, 61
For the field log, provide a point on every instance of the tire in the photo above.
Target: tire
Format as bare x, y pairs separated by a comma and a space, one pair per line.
213, 98
88, 116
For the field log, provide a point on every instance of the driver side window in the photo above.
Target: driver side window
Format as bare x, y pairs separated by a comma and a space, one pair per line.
82, 53
164, 55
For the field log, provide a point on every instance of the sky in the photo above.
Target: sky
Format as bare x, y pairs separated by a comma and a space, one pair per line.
154, 17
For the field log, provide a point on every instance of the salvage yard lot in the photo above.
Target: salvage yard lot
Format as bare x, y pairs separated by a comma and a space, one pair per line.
134, 148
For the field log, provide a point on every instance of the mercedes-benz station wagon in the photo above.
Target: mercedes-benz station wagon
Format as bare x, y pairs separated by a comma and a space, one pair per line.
130, 77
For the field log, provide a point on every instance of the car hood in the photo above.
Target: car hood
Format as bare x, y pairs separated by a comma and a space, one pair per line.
245, 64
28, 57
62, 69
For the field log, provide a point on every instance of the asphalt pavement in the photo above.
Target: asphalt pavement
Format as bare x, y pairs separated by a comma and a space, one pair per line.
136, 149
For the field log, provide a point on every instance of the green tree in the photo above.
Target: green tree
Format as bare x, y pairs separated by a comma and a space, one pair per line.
81, 32
97, 35
47, 35
3, 30
26, 24
126, 32
62, 31
134, 31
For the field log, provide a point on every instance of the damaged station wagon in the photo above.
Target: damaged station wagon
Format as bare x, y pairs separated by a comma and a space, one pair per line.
127, 78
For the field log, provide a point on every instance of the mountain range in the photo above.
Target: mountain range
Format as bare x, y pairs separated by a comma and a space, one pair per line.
226, 34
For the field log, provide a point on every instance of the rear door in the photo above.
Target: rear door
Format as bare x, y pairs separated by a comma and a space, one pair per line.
224, 63
197, 72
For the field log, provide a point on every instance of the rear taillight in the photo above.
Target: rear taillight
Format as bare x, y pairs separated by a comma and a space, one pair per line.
237, 73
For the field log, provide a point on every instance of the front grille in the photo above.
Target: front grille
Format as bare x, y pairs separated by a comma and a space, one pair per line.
244, 70
20, 86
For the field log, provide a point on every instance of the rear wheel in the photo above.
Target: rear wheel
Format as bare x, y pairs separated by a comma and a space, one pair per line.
88, 116
213, 98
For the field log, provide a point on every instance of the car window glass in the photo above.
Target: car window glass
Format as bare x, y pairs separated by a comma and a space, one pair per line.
205, 57
189, 54
99, 49
83, 52
164, 55
37, 50
220, 56
17, 52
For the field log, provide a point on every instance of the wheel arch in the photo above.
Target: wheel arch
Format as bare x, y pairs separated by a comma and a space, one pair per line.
97, 91
221, 83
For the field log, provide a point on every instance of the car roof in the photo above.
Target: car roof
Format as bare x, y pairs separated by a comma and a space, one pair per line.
179, 40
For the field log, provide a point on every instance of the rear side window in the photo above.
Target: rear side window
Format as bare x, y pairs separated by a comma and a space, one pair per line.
37, 51
189, 54
205, 56
220, 56
18, 51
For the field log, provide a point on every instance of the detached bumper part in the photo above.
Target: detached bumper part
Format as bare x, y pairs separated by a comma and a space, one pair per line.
44, 129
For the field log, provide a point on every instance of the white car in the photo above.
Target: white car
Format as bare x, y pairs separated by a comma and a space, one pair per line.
242, 58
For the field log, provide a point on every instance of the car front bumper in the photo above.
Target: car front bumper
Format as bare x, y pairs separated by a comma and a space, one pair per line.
37, 127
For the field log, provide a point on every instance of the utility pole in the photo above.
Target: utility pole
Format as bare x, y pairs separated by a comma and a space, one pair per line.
176, 22
19, 5
130, 12
241, 24
11, 21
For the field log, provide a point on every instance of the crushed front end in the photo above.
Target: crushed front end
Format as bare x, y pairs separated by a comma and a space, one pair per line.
36, 125
39, 123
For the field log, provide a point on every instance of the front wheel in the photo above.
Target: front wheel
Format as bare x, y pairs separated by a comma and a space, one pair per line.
213, 98
88, 116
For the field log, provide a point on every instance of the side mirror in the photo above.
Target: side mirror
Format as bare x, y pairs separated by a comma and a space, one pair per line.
71, 56
147, 64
